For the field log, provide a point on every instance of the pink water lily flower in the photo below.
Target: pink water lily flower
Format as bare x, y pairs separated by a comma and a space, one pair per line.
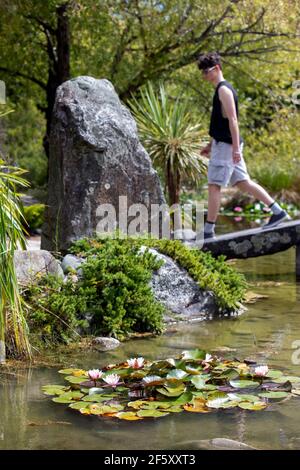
136, 362
238, 209
95, 374
112, 379
238, 218
261, 371
208, 358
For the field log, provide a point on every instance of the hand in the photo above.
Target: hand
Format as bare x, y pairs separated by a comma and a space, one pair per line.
236, 156
205, 151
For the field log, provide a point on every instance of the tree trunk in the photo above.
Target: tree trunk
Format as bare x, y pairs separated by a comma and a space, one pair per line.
58, 65
173, 183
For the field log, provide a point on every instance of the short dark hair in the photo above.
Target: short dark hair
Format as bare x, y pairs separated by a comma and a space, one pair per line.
205, 61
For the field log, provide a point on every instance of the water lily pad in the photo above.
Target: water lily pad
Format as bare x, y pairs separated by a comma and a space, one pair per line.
93, 390
287, 378
54, 389
194, 355
177, 374
138, 374
151, 414
159, 366
274, 374
96, 409
216, 402
172, 391
243, 384
75, 380
199, 383
243, 397
183, 399
96, 398
175, 409
274, 395
75, 372
229, 404
193, 370
68, 397
128, 415
77, 405
137, 404
198, 405
246, 405
229, 374
152, 380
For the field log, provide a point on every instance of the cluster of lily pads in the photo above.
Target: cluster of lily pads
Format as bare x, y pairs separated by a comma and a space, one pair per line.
195, 382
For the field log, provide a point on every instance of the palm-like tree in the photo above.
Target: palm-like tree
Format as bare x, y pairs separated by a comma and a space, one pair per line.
170, 137
12, 321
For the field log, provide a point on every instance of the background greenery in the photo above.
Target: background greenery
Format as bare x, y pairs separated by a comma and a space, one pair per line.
131, 42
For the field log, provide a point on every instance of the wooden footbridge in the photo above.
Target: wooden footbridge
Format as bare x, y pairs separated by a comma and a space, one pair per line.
255, 242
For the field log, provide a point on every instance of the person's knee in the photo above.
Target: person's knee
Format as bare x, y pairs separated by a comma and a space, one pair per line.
244, 185
214, 188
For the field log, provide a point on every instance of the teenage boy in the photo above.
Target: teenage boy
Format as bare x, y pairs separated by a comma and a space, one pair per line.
227, 165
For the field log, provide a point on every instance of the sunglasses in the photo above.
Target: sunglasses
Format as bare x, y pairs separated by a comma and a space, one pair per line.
206, 71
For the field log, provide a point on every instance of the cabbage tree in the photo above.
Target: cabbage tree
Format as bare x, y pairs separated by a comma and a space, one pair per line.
170, 136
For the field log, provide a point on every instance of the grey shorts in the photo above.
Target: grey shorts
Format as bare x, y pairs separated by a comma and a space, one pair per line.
221, 169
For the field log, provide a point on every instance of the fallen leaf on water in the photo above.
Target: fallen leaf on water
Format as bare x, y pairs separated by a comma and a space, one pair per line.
198, 406
252, 297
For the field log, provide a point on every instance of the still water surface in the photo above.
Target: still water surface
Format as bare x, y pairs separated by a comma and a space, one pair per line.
266, 332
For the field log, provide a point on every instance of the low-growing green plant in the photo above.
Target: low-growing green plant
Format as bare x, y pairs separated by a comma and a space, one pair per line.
114, 288
53, 310
211, 273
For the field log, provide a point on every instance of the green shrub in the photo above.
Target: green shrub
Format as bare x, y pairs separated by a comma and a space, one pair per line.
272, 153
34, 216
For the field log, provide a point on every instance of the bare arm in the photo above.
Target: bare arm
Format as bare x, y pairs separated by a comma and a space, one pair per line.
228, 104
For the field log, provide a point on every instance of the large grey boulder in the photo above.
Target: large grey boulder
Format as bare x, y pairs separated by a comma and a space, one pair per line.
179, 293
31, 265
95, 157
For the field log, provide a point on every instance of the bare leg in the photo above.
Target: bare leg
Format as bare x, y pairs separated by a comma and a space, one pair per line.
257, 191
214, 198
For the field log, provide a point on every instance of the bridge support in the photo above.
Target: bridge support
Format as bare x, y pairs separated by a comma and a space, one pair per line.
298, 262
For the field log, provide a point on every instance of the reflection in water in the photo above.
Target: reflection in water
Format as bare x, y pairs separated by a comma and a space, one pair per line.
29, 420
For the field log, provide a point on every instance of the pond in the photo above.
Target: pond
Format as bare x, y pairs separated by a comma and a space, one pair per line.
266, 332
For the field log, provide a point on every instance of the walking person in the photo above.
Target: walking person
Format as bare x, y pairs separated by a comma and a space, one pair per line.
227, 165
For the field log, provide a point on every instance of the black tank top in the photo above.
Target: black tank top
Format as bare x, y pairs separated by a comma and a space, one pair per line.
219, 126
